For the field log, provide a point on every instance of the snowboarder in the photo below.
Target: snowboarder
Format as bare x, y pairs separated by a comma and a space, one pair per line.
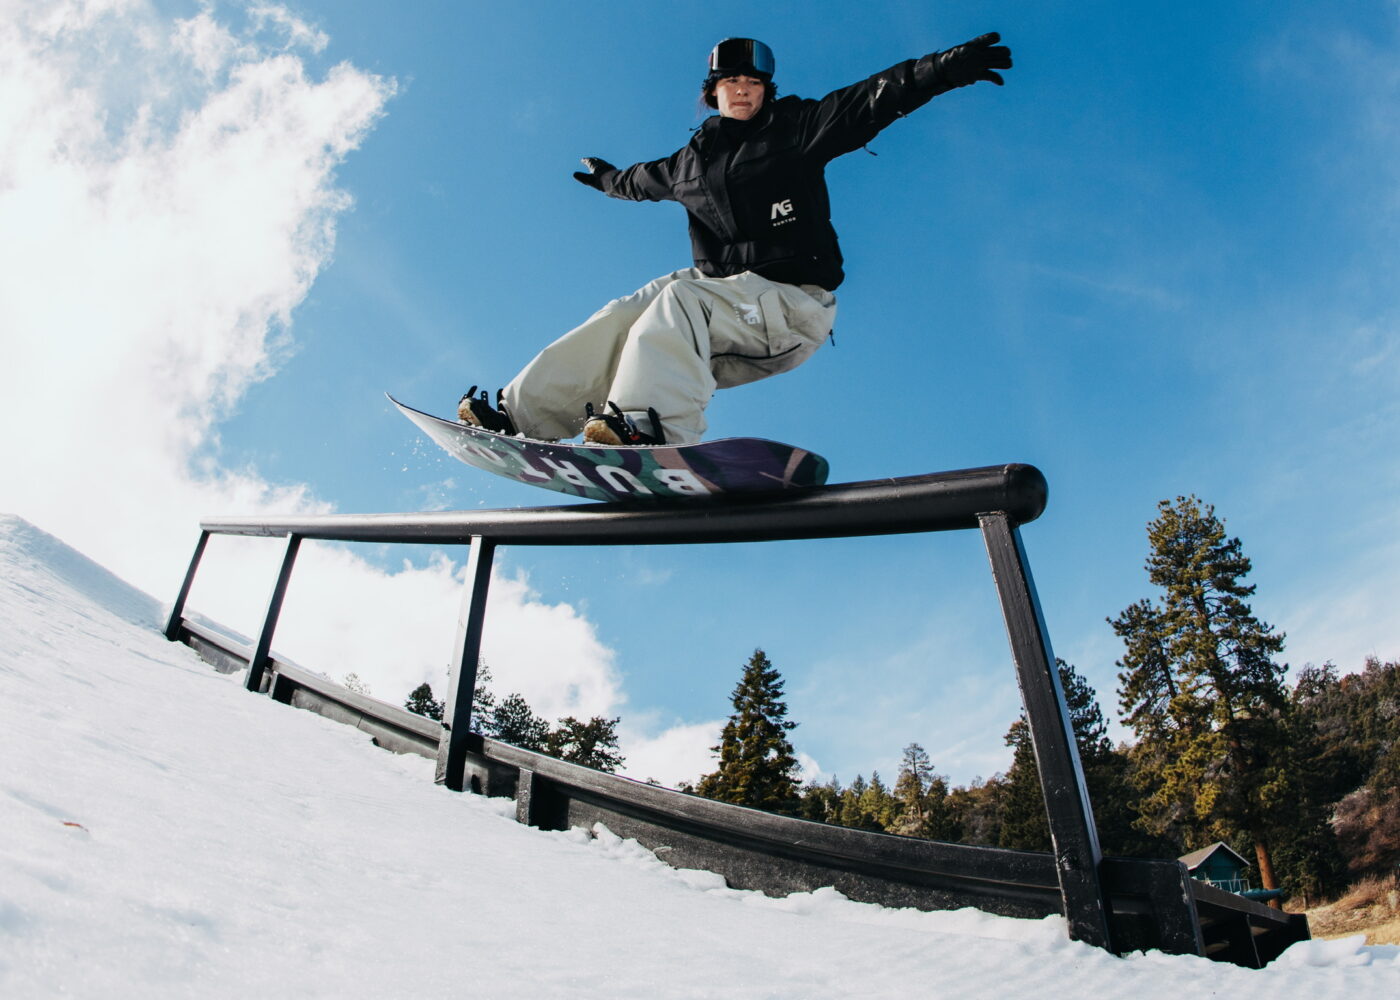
758, 300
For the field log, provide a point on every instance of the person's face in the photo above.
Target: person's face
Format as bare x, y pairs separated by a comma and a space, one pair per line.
739, 96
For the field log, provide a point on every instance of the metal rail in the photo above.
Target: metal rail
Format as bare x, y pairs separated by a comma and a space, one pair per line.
1153, 904
996, 500
944, 501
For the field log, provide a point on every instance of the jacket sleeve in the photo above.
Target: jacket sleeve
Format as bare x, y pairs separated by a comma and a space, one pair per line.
848, 118
649, 181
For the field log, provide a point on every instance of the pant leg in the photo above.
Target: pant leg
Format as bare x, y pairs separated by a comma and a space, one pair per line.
700, 334
665, 363
547, 399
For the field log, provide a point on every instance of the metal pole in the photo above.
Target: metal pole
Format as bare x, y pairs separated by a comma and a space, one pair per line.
262, 654
1073, 834
177, 610
457, 736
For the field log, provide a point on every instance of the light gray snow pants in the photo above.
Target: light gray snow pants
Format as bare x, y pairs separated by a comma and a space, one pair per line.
670, 345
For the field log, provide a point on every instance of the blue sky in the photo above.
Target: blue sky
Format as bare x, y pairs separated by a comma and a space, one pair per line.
1161, 260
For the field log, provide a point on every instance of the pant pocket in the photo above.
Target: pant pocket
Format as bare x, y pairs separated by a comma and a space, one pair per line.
783, 338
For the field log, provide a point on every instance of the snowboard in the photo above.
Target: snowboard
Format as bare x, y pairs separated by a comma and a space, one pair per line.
637, 472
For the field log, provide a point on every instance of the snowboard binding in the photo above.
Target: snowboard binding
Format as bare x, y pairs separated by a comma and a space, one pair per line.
478, 411
617, 428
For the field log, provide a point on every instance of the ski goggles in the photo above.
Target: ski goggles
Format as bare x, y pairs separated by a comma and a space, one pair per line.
735, 55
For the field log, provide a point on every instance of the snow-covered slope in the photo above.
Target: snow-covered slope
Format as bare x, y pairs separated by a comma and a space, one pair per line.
166, 834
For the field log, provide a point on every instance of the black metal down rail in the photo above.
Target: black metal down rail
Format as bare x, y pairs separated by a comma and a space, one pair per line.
1118, 904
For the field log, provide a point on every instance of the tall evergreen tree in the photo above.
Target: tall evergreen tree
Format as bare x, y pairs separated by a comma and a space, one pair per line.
821, 801
877, 806
1200, 687
976, 811
757, 766
911, 792
483, 701
1352, 724
1023, 820
921, 799
421, 702
592, 743
1357, 720
1023, 823
514, 722
942, 822
354, 682
855, 807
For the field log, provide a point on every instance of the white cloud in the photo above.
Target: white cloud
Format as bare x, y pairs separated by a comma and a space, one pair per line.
547, 652
209, 45
168, 196
811, 769
151, 264
297, 33
678, 753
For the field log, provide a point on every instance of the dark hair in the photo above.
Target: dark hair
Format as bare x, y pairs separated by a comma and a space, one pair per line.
707, 89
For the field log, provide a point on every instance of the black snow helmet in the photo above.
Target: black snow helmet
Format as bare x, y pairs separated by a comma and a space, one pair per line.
735, 56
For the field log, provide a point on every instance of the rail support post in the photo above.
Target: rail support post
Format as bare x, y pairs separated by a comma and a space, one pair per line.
262, 653
1073, 835
456, 734
177, 610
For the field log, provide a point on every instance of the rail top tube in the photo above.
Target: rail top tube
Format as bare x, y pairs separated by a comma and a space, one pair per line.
941, 501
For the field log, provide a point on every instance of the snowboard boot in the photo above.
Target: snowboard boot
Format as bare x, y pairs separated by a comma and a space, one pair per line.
475, 410
616, 428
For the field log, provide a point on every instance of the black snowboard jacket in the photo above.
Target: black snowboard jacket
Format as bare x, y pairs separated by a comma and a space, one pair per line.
756, 190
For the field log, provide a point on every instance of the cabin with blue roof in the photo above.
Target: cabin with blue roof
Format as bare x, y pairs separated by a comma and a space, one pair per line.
1220, 866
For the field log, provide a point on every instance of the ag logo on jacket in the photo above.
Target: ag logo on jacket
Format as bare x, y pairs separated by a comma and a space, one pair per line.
782, 212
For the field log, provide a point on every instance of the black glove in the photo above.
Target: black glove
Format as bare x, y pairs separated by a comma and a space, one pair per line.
596, 169
976, 60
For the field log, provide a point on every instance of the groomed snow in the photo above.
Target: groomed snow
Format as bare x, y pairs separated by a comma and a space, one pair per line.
167, 834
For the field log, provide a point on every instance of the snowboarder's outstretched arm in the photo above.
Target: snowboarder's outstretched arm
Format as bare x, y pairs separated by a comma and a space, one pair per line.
649, 181
840, 122
968, 63
593, 176
848, 118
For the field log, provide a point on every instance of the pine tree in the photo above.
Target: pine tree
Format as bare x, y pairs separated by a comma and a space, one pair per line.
911, 792
922, 808
1351, 727
878, 807
942, 822
353, 682
1023, 821
483, 701
821, 802
514, 722
757, 766
421, 702
854, 811
1357, 721
592, 743
976, 811
1200, 687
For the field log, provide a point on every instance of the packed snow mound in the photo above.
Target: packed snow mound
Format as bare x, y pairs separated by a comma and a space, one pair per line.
167, 834
67, 571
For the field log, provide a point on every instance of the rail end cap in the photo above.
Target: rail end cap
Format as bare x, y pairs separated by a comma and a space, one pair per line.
1027, 491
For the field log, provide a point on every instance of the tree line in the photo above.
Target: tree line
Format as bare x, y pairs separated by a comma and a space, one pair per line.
592, 743
1306, 778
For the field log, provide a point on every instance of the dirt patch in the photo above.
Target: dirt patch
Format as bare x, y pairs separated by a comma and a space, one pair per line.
1371, 907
